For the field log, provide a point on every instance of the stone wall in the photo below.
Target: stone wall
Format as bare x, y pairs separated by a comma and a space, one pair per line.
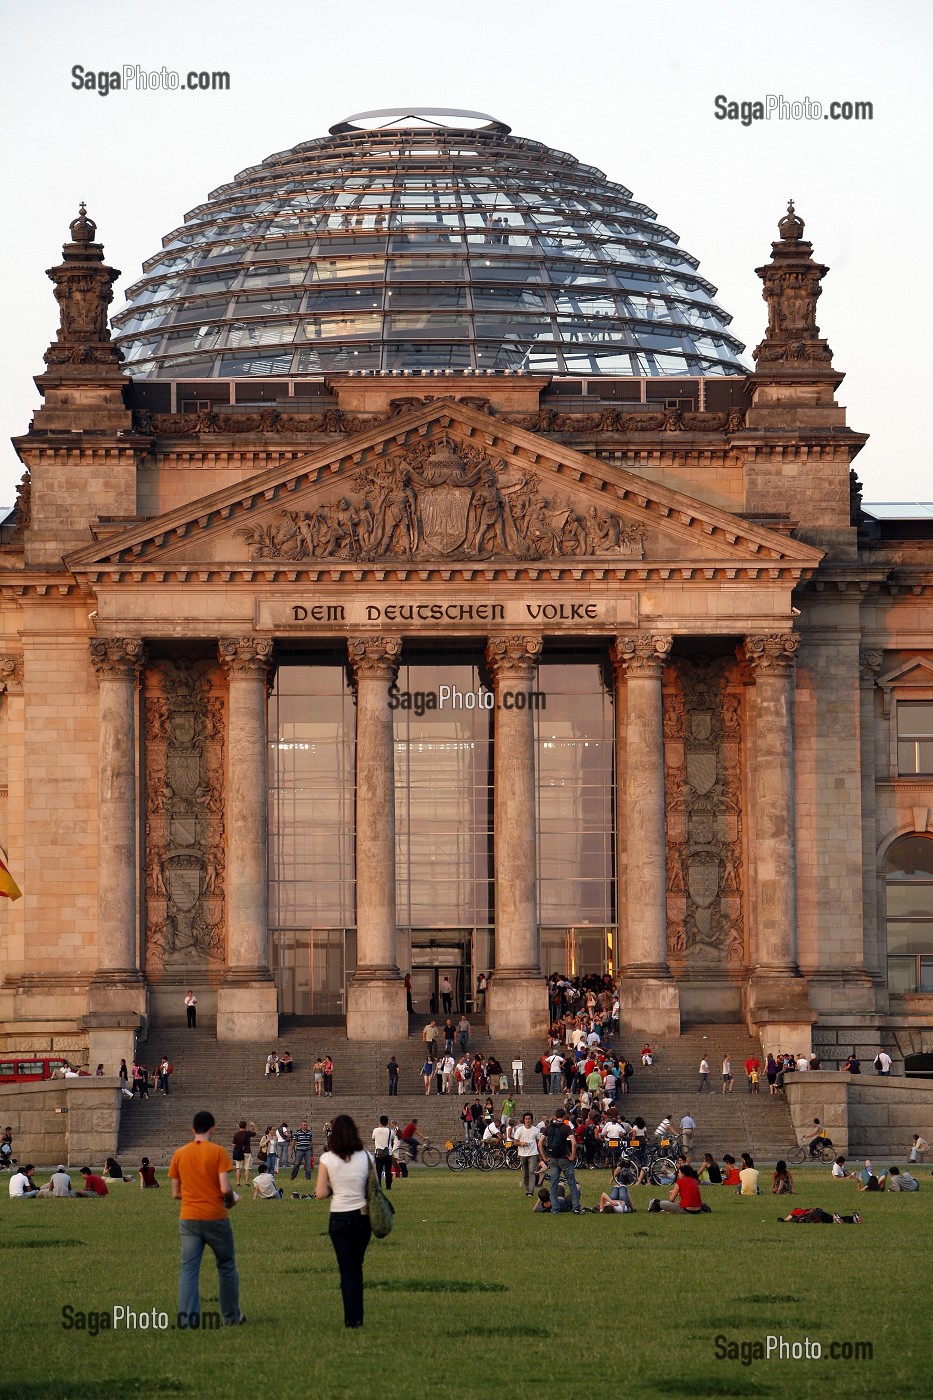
75, 1121
865, 1113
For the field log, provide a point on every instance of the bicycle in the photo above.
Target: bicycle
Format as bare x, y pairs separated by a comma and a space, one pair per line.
824, 1153
426, 1153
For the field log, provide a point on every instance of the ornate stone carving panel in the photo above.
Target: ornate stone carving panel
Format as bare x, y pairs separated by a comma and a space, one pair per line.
703, 762
441, 498
184, 846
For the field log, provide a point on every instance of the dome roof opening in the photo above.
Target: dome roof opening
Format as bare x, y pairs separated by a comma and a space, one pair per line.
401, 242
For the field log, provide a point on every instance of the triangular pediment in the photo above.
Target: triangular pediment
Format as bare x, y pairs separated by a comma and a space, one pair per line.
918, 670
446, 487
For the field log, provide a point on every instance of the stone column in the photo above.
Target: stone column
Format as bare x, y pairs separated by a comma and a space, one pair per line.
649, 1000
12, 922
778, 999
376, 1007
246, 1002
516, 1001
875, 945
117, 994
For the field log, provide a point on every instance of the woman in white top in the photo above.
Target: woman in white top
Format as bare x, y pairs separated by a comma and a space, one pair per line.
342, 1174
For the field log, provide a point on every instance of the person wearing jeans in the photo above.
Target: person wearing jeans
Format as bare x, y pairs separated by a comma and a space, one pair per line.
560, 1150
200, 1177
303, 1153
527, 1138
342, 1175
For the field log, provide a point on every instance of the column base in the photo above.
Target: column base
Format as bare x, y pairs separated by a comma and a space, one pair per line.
248, 1011
649, 1007
516, 1007
376, 1008
777, 1008
112, 1037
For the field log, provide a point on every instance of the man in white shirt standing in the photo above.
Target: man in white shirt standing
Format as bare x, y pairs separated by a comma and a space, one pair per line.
556, 1064
518, 1076
384, 1148
191, 1009
527, 1138
687, 1131
704, 1076
884, 1062
446, 1070
802, 1063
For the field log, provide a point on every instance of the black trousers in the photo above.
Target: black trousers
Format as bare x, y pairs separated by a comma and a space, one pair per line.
350, 1233
384, 1171
192, 1016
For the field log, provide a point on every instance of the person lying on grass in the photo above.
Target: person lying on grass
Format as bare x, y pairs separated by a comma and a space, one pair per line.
813, 1215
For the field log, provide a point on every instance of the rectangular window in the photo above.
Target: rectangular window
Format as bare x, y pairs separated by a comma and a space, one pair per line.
914, 737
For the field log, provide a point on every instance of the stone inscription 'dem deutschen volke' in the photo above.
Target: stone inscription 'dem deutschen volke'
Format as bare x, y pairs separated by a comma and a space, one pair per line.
443, 615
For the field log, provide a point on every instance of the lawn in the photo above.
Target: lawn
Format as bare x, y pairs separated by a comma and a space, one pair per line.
473, 1296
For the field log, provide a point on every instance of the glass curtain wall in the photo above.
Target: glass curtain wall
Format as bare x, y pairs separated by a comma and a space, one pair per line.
575, 810
312, 737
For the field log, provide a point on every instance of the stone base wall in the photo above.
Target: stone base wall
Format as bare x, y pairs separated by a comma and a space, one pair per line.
863, 1113
74, 1121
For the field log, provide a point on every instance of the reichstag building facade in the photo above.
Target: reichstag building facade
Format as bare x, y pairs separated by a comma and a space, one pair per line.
415, 577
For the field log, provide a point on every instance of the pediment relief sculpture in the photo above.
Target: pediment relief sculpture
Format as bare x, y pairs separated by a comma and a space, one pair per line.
444, 499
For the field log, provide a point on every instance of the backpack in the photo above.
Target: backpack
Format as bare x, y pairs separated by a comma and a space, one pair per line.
556, 1139
381, 1210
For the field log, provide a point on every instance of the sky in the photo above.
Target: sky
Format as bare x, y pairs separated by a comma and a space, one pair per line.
627, 87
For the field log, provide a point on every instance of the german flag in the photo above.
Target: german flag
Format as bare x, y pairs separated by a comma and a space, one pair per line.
9, 889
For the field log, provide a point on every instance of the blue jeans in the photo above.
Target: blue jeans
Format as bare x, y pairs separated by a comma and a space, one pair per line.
563, 1167
555, 1081
272, 1161
218, 1236
302, 1158
350, 1233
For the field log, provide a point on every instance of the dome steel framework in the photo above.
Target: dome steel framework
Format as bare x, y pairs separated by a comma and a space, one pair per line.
402, 242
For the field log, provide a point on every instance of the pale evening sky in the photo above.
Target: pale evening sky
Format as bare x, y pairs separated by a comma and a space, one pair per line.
629, 88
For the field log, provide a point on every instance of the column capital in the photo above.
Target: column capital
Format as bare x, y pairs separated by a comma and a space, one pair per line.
374, 657
11, 674
246, 656
640, 653
513, 655
772, 652
869, 664
115, 658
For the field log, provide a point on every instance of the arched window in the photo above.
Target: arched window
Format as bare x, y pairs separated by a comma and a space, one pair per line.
908, 873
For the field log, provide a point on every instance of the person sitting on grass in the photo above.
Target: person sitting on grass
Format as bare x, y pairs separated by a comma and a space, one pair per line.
264, 1185
59, 1183
543, 1203
813, 1215
748, 1176
93, 1185
902, 1181
22, 1185
685, 1198
114, 1171
782, 1183
147, 1176
839, 1172
730, 1172
710, 1172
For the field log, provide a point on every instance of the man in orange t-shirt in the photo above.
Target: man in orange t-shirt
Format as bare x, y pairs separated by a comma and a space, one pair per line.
200, 1177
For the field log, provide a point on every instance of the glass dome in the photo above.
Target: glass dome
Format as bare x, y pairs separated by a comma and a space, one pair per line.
427, 240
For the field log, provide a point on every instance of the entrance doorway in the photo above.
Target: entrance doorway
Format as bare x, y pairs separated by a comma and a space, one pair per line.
436, 954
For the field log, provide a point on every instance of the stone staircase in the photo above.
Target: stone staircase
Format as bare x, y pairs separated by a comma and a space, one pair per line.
228, 1079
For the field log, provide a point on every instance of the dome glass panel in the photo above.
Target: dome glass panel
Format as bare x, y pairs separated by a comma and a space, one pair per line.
423, 241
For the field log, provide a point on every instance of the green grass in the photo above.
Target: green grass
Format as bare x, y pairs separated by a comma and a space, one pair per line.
474, 1296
